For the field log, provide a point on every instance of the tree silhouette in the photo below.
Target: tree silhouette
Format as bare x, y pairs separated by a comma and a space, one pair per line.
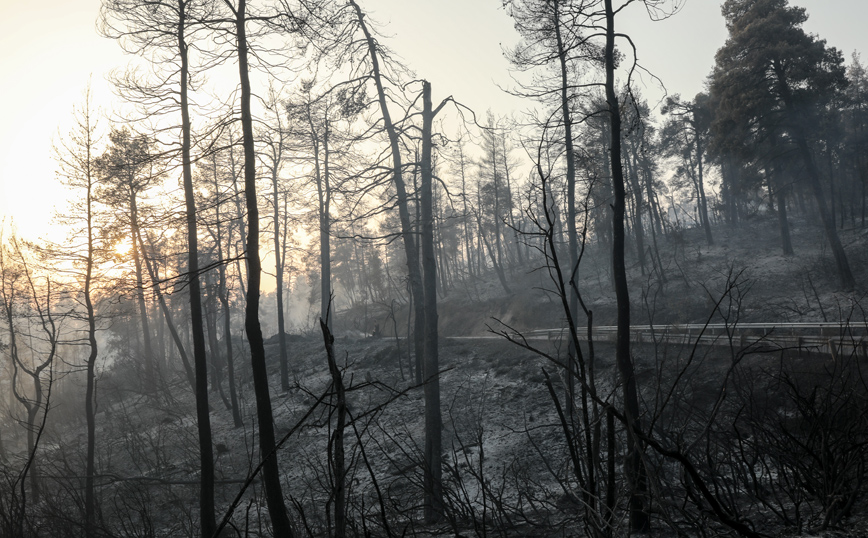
769, 69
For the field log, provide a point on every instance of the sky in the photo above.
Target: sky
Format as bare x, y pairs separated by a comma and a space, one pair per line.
50, 50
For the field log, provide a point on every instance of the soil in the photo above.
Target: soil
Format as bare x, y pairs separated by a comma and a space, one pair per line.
500, 421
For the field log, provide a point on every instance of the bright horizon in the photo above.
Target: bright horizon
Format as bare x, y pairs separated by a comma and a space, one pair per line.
51, 50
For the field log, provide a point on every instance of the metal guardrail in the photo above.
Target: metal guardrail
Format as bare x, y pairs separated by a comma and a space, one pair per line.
832, 338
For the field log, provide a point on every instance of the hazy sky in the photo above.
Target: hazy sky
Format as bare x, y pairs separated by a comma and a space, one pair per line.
50, 48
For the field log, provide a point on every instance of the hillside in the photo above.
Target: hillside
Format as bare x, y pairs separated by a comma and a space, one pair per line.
771, 287
507, 463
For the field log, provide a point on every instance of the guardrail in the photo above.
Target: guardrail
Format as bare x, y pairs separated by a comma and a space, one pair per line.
831, 338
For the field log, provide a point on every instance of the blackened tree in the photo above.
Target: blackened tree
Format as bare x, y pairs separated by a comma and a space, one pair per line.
267, 443
79, 173
163, 30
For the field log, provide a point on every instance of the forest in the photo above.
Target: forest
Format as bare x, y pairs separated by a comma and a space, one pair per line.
301, 296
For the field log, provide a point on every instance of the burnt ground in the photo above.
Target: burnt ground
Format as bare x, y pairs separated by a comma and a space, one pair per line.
767, 286
500, 429
502, 441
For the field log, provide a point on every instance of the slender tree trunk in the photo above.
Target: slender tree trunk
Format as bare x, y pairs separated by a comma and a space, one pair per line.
863, 205
323, 192
834, 194
230, 358
209, 311
410, 248
419, 318
32, 413
278, 275
162, 353
480, 233
638, 228
326, 230
501, 276
439, 251
786, 242
203, 419
337, 442
167, 315
703, 201
728, 188
639, 520
468, 238
572, 233
90, 391
496, 217
150, 373
655, 213
223, 296
654, 207
433, 502
267, 445
843, 265
576, 361
239, 211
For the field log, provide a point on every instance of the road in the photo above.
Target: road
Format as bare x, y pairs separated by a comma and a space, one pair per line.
831, 338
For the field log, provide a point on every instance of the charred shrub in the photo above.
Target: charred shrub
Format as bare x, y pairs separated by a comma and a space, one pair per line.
807, 435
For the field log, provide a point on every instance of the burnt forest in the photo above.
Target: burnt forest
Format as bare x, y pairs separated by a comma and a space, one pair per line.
304, 291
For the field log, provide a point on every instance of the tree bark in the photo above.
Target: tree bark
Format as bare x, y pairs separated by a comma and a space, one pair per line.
323, 192
433, 502
783, 222
572, 233
468, 239
230, 358
638, 228
278, 271
203, 418
150, 370
271, 471
223, 296
90, 391
410, 248
167, 316
703, 201
639, 520
337, 441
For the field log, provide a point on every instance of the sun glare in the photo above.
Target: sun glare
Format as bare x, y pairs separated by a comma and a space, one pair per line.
123, 247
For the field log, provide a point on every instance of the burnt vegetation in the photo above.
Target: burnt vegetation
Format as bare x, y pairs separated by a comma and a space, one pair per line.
326, 303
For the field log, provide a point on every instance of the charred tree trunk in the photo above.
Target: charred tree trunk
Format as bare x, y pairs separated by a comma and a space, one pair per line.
433, 502
267, 445
703, 202
323, 192
87, 129
203, 419
468, 238
572, 233
223, 297
336, 443
639, 519
638, 228
410, 247
278, 276
774, 179
501, 276
167, 316
230, 358
150, 370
